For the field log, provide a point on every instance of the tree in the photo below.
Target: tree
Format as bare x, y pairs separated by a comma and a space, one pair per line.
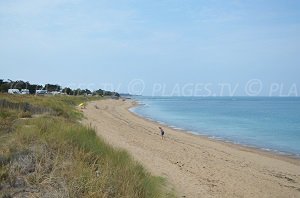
50, 87
4, 86
68, 91
32, 88
85, 92
99, 92
19, 84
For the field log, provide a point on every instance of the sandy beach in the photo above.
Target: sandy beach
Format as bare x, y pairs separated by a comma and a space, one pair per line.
194, 166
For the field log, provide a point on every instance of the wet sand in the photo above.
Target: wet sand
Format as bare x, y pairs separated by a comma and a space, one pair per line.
194, 166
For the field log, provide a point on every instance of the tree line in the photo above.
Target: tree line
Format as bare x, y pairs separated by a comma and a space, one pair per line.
5, 85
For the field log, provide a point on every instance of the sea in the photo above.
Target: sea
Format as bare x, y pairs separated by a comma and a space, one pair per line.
267, 123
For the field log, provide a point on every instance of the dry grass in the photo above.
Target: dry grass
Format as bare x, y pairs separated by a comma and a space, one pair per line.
55, 156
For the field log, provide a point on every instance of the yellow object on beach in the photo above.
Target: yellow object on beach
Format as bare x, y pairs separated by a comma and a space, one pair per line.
81, 105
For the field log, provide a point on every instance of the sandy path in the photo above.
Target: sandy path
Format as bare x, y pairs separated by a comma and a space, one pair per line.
195, 166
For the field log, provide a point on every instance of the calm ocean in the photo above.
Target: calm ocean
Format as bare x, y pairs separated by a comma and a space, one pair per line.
270, 123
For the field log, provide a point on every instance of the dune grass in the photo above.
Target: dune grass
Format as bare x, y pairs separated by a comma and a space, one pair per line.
53, 155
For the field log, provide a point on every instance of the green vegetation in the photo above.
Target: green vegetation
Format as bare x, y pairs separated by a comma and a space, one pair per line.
19, 84
46, 152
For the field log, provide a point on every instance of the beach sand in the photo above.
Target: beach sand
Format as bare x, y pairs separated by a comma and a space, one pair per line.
194, 166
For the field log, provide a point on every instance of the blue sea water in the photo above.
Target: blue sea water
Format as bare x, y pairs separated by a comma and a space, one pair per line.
271, 123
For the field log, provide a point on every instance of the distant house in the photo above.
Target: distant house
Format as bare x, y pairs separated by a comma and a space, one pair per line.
55, 92
41, 92
24, 91
13, 91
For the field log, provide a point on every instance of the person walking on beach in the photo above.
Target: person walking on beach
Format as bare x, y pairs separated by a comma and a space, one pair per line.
162, 133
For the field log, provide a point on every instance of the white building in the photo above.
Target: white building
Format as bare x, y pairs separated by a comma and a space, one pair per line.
41, 92
24, 91
14, 91
55, 92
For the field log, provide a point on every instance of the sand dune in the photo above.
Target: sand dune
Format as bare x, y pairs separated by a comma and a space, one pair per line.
195, 166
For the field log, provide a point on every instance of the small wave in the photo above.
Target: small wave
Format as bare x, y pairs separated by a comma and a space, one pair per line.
132, 110
160, 122
194, 133
265, 149
176, 128
148, 118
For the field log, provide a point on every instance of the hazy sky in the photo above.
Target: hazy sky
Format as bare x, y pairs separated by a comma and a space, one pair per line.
154, 47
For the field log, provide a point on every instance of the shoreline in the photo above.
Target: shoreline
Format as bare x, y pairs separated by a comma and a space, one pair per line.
293, 158
194, 165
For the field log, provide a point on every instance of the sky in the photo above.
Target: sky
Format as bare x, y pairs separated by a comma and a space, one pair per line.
154, 47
